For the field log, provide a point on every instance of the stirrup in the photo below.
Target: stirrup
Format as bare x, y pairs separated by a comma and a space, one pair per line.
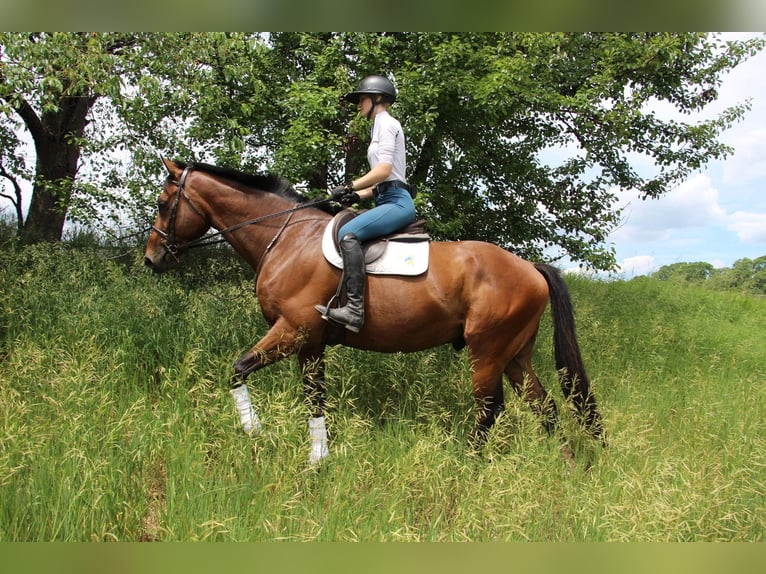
326, 315
343, 323
324, 310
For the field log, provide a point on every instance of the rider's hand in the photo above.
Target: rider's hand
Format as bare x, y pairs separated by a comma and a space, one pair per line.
344, 195
338, 193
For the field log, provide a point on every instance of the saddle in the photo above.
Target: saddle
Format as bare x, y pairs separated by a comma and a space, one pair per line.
403, 252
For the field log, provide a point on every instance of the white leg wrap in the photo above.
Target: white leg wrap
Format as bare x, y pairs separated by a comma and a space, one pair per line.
247, 415
318, 433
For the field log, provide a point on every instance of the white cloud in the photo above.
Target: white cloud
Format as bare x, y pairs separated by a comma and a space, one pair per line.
748, 162
694, 203
749, 227
748, 138
638, 265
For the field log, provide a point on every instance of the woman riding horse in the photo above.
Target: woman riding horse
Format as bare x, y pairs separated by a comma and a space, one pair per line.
385, 182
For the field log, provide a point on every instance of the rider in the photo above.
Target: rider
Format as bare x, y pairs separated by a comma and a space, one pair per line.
385, 182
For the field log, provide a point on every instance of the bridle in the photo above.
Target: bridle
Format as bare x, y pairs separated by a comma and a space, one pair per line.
169, 236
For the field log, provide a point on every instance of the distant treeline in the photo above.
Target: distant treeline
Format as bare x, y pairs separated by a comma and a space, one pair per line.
748, 275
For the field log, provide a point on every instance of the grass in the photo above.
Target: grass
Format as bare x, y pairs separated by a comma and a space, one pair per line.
116, 422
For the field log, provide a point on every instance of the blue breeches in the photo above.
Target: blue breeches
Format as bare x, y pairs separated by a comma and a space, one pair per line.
393, 210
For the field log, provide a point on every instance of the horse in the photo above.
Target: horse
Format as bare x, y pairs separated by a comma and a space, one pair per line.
473, 295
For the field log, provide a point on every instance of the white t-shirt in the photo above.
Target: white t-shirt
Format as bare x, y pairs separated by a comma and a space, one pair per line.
387, 145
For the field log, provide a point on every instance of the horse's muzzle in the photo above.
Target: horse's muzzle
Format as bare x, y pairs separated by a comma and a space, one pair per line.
160, 262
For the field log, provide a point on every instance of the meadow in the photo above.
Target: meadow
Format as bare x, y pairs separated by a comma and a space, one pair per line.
116, 423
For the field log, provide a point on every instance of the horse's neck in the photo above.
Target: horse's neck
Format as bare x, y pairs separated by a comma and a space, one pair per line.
228, 212
250, 241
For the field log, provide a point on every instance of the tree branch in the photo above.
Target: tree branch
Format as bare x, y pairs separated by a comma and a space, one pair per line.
31, 119
15, 201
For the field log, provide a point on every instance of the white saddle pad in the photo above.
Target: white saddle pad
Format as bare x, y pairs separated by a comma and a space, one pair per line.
399, 258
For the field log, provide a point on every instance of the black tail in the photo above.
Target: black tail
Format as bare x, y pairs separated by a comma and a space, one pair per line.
575, 383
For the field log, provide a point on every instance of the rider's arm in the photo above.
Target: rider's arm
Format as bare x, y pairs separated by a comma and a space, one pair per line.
363, 185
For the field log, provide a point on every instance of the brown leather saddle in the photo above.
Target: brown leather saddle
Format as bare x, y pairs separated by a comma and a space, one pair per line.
374, 249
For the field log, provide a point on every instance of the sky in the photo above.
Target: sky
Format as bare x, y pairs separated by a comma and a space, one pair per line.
717, 215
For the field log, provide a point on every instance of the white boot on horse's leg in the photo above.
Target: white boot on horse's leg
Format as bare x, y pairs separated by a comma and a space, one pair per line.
247, 415
318, 434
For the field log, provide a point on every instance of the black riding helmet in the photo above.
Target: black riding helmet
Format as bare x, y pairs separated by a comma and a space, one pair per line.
372, 85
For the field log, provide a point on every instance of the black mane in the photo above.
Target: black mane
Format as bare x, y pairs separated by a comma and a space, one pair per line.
265, 182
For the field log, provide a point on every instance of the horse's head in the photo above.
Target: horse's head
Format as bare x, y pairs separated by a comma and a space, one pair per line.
179, 221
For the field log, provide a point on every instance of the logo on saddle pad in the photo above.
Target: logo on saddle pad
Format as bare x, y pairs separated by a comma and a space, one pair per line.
402, 253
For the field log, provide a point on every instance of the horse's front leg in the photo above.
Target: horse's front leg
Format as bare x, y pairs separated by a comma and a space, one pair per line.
279, 342
314, 389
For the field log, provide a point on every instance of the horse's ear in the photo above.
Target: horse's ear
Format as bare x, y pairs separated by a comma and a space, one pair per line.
172, 168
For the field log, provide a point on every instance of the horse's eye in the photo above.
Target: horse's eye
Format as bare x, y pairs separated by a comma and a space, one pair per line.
162, 205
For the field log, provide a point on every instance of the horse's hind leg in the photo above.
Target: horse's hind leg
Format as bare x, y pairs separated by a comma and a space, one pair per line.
526, 384
487, 381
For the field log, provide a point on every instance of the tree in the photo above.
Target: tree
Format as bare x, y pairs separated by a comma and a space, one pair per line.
51, 82
486, 115
515, 138
696, 272
745, 275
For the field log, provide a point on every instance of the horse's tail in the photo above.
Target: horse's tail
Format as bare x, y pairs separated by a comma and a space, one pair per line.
575, 383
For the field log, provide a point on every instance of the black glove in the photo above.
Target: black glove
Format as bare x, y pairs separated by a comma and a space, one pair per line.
340, 191
344, 195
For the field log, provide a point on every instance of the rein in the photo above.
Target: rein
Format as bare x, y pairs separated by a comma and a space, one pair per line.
205, 239
168, 238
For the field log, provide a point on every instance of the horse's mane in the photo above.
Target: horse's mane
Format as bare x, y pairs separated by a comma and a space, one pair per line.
265, 182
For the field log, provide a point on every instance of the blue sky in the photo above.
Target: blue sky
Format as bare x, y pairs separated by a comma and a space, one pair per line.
717, 215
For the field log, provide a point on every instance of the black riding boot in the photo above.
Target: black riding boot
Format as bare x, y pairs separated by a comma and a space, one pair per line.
352, 315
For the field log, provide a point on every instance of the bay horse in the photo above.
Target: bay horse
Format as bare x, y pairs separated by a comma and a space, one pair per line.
474, 294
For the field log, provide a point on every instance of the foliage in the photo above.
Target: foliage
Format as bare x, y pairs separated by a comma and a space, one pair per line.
487, 116
691, 272
748, 275
116, 422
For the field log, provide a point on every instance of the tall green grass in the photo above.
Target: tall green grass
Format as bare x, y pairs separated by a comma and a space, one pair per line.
116, 422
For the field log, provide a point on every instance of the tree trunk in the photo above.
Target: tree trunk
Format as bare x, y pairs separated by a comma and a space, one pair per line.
57, 143
356, 158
